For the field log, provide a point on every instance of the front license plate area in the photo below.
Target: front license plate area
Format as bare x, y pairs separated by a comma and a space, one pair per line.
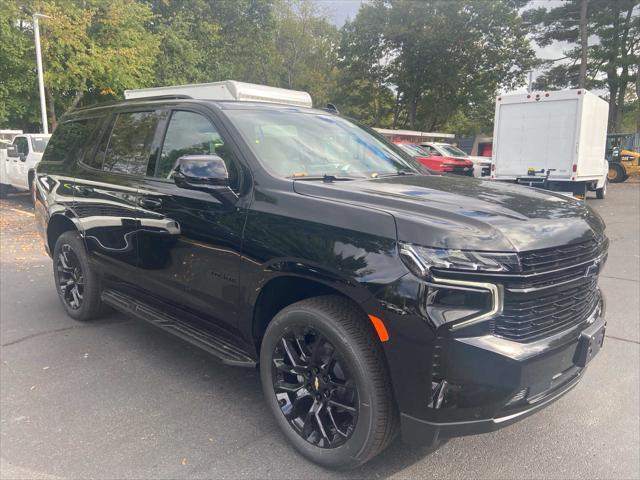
590, 343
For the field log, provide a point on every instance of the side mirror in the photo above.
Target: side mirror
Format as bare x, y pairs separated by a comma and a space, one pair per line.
207, 173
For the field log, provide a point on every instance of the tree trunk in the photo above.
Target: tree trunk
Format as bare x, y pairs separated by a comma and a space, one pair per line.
53, 119
613, 106
396, 110
584, 43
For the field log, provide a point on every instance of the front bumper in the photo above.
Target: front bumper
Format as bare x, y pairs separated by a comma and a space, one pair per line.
493, 382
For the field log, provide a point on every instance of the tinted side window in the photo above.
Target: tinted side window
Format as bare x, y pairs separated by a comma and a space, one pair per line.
71, 141
130, 143
190, 133
22, 145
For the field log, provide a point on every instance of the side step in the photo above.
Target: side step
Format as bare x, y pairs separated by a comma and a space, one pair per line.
218, 346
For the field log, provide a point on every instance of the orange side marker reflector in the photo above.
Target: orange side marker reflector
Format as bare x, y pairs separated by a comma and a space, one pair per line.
381, 330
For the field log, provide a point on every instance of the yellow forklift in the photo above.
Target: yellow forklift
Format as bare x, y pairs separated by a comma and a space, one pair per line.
623, 153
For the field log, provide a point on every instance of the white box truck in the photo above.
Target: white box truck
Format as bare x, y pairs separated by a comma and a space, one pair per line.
554, 140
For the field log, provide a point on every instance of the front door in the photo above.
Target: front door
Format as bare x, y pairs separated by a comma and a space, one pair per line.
189, 242
16, 167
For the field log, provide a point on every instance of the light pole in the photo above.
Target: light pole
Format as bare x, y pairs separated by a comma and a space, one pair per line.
43, 105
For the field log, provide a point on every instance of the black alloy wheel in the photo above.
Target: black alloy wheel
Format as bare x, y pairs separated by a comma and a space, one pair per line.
325, 380
314, 388
71, 280
79, 286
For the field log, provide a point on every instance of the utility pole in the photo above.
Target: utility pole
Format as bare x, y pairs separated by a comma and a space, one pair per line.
43, 106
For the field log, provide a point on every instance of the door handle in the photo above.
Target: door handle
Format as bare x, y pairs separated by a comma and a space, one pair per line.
150, 203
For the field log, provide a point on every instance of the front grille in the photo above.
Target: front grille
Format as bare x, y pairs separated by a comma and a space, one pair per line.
530, 316
556, 289
548, 259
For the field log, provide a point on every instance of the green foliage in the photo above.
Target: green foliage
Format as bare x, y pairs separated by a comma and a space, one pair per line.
427, 65
613, 53
18, 87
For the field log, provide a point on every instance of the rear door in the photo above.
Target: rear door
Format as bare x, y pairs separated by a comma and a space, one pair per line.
106, 189
536, 136
190, 241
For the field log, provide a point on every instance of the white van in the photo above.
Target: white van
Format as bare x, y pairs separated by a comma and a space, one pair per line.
18, 164
553, 140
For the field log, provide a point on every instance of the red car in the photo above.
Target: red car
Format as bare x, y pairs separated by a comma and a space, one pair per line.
437, 163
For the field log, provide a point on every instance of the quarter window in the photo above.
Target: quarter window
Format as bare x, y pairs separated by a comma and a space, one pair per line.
130, 144
71, 141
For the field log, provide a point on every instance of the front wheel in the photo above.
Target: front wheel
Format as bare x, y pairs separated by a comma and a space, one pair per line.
616, 173
602, 192
325, 380
78, 285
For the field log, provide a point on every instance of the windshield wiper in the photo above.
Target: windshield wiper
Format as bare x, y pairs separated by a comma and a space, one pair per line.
398, 173
326, 178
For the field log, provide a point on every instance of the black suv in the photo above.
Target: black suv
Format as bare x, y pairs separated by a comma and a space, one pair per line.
373, 296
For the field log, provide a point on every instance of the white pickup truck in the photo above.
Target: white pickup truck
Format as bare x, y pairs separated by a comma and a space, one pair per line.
18, 161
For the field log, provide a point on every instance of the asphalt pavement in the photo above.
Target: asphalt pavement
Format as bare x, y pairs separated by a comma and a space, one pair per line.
117, 398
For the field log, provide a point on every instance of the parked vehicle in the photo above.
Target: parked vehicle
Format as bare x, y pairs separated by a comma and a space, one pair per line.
374, 296
435, 162
623, 154
481, 165
17, 168
552, 140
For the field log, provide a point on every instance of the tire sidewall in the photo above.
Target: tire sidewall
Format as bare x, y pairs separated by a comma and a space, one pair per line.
91, 287
347, 454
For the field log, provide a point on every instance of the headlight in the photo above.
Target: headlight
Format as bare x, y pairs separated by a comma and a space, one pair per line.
458, 302
420, 260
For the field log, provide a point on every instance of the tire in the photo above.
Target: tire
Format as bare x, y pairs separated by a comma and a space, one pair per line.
4, 190
616, 173
602, 192
85, 282
341, 325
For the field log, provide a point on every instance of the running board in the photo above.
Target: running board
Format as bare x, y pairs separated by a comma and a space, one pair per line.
221, 348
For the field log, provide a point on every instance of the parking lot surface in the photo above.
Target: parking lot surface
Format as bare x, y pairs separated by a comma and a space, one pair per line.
117, 398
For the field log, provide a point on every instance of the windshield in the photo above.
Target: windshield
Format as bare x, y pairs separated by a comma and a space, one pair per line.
294, 144
453, 151
413, 150
39, 144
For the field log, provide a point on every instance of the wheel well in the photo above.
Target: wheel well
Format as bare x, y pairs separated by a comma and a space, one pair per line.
280, 293
58, 224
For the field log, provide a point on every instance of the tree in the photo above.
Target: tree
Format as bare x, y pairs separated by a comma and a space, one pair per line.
18, 88
442, 57
612, 60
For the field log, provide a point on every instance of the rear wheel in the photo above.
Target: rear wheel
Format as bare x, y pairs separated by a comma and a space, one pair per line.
4, 190
78, 286
325, 381
617, 173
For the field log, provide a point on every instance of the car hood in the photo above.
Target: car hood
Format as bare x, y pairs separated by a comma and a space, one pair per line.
467, 213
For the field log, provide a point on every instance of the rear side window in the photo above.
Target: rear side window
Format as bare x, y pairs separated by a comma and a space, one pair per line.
71, 140
129, 146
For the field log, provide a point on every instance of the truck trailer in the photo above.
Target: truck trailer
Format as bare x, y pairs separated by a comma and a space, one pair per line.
553, 140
